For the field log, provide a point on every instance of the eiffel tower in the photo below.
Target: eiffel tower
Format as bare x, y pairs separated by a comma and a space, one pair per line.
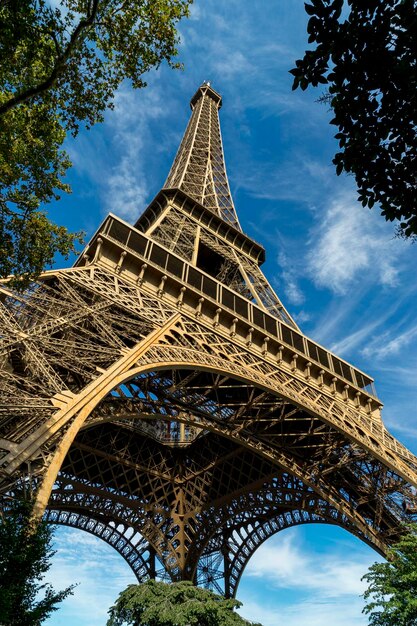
159, 395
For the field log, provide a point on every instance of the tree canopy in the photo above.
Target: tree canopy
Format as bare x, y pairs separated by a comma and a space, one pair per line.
25, 555
60, 67
177, 604
392, 593
366, 52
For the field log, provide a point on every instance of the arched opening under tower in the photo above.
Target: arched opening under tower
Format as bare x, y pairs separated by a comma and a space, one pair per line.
161, 471
98, 570
306, 574
309, 574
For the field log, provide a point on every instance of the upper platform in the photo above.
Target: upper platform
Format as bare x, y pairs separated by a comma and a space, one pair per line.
228, 233
206, 90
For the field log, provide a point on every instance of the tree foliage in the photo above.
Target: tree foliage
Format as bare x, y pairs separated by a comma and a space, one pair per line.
60, 67
177, 604
25, 554
392, 592
366, 53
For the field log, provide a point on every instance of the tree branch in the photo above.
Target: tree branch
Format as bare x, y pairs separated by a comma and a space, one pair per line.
27, 94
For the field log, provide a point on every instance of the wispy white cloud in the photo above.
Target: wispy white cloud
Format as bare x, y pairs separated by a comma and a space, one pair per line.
288, 565
126, 189
289, 280
302, 316
348, 245
100, 574
235, 63
305, 613
368, 315
327, 585
386, 344
292, 178
118, 162
402, 428
401, 371
357, 338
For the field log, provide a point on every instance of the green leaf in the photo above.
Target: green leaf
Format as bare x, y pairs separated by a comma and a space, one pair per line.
176, 604
368, 57
25, 557
310, 10
60, 69
391, 595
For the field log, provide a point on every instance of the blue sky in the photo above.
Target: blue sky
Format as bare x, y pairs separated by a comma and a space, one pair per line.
338, 268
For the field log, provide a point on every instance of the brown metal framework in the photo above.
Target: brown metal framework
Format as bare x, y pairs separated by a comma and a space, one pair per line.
159, 395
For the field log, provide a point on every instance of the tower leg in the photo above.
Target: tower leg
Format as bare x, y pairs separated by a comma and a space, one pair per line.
226, 568
152, 563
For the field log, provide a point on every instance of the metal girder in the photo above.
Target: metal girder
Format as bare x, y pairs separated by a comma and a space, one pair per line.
159, 395
199, 167
133, 548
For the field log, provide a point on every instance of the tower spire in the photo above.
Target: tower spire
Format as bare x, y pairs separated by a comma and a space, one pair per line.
198, 168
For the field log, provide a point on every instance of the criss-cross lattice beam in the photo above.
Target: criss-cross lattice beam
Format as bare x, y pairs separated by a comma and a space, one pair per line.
199, 168
134, 549
137, 426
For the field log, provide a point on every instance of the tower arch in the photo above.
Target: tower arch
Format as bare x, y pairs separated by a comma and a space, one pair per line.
161, 384
135, 550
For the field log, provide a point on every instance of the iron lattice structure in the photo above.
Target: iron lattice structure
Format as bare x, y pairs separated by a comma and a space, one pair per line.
158, 395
